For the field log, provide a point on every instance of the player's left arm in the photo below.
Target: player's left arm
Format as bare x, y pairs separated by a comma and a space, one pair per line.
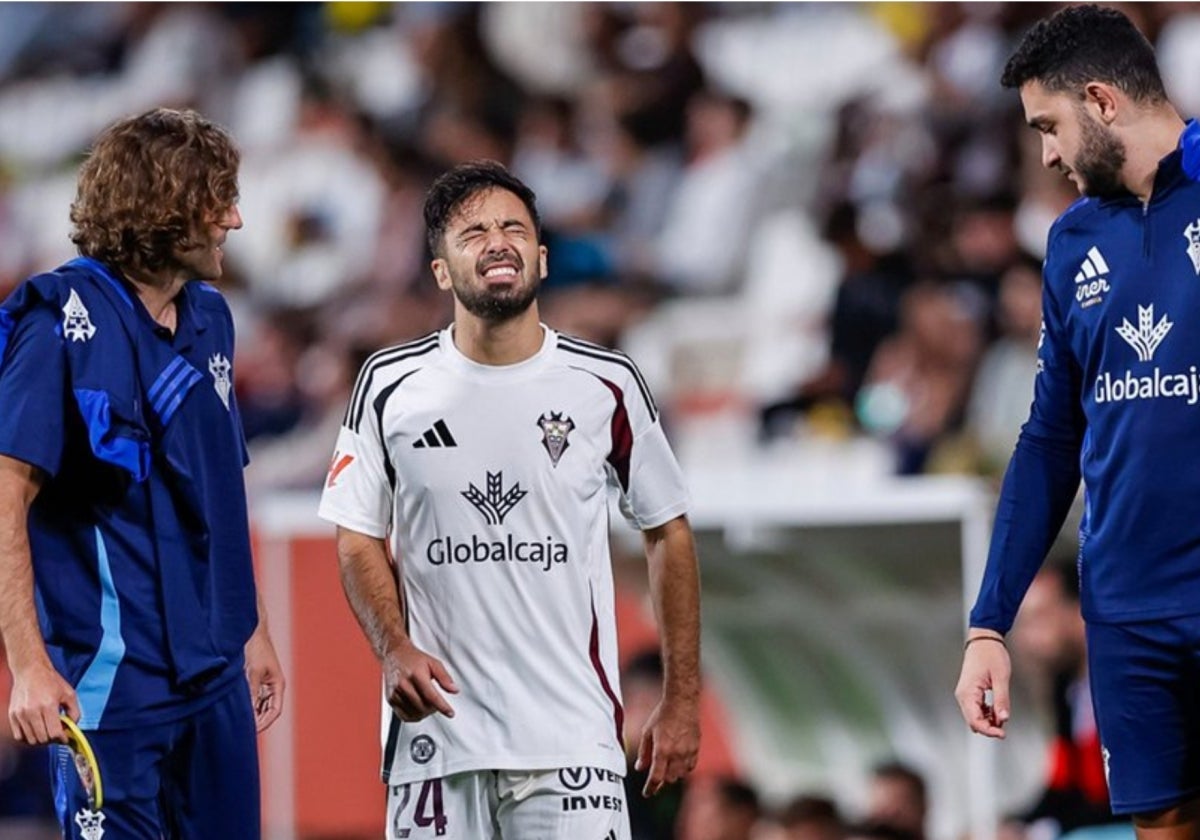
264, 673
671, 740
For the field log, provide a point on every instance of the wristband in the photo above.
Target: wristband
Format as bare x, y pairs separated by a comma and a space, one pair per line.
975, 639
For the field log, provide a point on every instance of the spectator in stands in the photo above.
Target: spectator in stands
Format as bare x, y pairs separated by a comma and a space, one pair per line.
718, 808
299, 458
699, 251
983, 242
570, 185
866, 311
897, 799
1003, 386
268, 395
805, 817
917, 387
1049, 637
650, 818
644, 176
876, 831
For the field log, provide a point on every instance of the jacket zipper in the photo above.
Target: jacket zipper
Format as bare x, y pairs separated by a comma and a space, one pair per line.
1146, 231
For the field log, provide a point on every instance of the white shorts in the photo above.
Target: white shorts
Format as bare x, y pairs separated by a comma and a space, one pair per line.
574, 803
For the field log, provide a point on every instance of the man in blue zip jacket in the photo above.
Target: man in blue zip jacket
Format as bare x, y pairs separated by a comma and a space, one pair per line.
1116, 402
127, 594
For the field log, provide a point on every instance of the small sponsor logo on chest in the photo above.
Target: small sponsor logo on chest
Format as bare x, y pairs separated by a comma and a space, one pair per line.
1091, 280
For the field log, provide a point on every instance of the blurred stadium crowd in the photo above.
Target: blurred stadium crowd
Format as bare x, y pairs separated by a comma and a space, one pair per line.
810, 223
815, 226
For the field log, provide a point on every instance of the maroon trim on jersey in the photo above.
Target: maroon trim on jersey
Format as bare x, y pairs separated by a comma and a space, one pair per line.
622, 435
614, 357
594, 654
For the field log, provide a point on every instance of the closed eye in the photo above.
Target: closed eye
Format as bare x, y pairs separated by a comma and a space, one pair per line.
1042, 126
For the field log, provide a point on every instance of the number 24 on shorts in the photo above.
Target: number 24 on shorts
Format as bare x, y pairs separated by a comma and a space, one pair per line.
427, 811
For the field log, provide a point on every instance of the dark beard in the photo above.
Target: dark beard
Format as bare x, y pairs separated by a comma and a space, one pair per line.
1100, 161
496, 306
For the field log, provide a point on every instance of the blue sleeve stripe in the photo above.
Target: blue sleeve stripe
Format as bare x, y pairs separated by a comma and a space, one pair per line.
6, 328
131, 455
96, 685
169, 411
164, 404
163, 378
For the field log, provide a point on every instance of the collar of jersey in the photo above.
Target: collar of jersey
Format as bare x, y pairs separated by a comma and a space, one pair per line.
190, 318
1189, 146
498, 373
1183, 162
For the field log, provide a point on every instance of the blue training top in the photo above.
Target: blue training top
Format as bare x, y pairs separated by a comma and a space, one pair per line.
140, 538
1116, 400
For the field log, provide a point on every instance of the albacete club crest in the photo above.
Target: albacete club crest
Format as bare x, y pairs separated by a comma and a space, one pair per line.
1192, 234
77, 323
91, 824
555, 429
220, 368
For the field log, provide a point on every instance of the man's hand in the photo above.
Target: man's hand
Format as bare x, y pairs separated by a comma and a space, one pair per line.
411, 681
39, 693
986, 667
265, 677
669, 746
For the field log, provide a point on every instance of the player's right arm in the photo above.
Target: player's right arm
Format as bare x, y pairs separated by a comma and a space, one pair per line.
39, 692
31, 441
358, 499
411, 676
1039, 487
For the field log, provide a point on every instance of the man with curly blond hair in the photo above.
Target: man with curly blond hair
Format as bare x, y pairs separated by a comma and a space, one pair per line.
128, 599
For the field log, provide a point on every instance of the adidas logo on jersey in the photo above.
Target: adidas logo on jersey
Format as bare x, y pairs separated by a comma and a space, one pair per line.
436, 435
1091, 282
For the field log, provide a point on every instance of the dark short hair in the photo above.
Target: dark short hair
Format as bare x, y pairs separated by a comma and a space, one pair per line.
647, 665
1082, 44
455, 186
149, 185
807, 809
905, 773
736, 793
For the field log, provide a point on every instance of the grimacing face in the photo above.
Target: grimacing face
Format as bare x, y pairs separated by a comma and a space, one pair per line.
491, 259
1074, 142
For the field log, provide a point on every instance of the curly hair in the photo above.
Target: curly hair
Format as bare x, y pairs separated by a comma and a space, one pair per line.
150, 185
454, 187
1081, 44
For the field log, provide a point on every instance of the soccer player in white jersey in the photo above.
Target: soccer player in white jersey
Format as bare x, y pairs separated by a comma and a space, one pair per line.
482, 456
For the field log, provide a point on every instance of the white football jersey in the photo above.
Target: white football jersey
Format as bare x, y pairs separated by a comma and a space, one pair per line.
493, 485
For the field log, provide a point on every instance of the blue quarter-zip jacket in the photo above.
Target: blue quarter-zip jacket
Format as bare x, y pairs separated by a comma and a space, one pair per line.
1116, 402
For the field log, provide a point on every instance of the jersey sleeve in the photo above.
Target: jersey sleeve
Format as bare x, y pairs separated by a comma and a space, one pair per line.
1042, 477
33, 392
651, 484
358, 491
